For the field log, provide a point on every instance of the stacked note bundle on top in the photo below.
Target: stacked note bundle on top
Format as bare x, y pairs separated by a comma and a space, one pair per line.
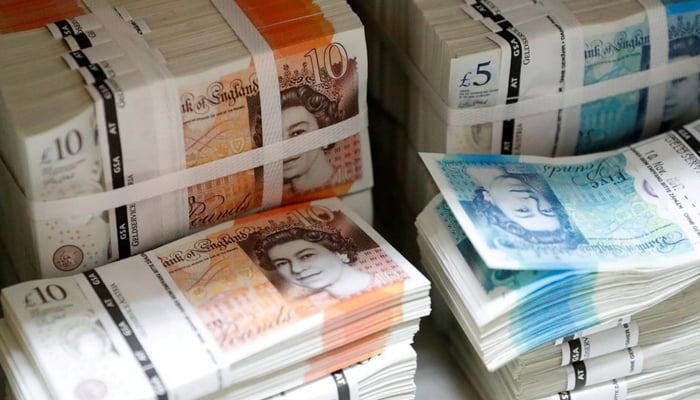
526, 250
134, 123
243, 310
527, 77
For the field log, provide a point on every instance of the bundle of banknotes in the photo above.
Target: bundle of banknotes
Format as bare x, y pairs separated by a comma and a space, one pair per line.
526, 250
526, 77
487, 53
387, 375
671, 375
128, 124
254, 307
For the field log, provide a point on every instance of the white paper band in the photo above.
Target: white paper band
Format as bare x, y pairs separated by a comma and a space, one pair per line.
202, 173
270, 103
600, 343
73, 26
620, 364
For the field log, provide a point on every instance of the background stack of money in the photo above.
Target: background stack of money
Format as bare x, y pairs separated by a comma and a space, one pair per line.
253, 308
430, 56
555, 264
56, 142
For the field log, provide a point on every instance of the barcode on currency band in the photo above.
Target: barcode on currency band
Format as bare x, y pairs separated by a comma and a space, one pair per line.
513, 83
689, 139
98, 74
64, 28
81, 40
73, 26
80, 58
341, 383
117, 169
127, 333
575, 350
565, 395
579, 374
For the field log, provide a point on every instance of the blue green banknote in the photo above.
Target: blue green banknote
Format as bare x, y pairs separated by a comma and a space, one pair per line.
530, 297
613, 51
682, 97
627, 209
511, 312
620, 120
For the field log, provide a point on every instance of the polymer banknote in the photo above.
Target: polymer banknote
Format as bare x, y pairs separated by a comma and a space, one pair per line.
633, 208
508, 313
526, 67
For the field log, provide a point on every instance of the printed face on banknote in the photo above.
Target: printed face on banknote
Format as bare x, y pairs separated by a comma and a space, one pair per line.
270, 270
306, 264
682, 101
495, 282
296, 121
521, 203
314, 258
305, 110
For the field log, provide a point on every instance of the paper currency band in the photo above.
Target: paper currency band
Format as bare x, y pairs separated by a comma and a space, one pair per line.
81, 23
270, 101
98, 202
151, 67
569, 98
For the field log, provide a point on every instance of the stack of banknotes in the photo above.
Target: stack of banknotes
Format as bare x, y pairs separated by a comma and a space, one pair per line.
128, 124
527, 77
254, 307
669, 370
597, 253
387, 375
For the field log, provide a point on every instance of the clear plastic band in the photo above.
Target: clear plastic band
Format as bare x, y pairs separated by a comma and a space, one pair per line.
270, 103
658, 32
574, 41
202, 173
658, 48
